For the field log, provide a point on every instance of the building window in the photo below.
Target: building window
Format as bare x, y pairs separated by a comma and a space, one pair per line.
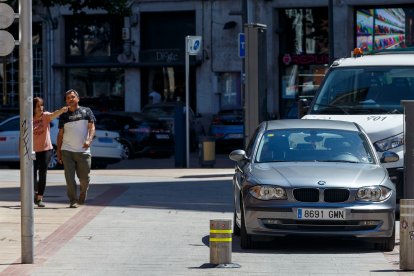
229, 90
304, 55
93, 38
383, 28
305, 31
99, 88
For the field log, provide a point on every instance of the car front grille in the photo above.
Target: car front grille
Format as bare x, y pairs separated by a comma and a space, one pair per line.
313, 195
336, 195
306, 194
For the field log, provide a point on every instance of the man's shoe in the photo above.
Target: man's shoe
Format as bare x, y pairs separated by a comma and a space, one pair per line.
74, 205
82, 198
40, 203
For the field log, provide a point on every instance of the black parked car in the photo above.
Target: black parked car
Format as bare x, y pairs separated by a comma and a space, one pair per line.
139, 134
166, 112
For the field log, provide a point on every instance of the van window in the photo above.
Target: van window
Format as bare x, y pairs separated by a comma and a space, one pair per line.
370, 90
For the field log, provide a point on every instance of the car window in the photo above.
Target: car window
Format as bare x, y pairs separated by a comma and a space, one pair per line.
321, 145
162, 111
108, 123
12, 125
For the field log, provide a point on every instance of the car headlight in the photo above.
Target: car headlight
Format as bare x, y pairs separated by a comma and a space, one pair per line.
389, 143
267, 192
373, 193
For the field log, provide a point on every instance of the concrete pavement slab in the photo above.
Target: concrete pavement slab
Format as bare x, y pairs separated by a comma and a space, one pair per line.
156, 222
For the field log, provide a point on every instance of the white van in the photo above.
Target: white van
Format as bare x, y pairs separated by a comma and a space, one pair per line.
368, 90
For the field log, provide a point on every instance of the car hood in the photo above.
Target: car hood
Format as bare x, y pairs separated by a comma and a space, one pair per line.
305, 174
377, 127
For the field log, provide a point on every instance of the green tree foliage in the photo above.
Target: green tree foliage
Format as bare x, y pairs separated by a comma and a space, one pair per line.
115, 7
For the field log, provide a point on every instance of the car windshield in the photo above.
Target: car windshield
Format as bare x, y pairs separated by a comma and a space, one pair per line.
314, 145
368, 90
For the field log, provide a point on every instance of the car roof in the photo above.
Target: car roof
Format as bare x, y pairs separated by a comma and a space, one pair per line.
393, 59
311, 123
12, 117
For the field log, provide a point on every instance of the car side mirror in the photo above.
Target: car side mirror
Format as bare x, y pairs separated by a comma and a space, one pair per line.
389, 156
238, 155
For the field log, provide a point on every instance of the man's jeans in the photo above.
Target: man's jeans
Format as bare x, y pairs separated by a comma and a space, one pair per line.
79, 163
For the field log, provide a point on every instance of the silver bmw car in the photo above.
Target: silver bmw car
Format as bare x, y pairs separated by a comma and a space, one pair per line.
314, 178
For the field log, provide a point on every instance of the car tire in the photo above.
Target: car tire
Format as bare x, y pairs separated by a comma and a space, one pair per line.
386, 244
245, 239
236, 228
127, 152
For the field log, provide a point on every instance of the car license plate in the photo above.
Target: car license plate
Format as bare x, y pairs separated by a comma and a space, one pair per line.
105, 140
321, 214
162, 136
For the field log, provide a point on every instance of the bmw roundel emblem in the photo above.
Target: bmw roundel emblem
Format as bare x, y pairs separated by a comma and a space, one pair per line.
321, 182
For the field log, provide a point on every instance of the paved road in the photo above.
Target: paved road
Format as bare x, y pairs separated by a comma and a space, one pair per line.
156, 222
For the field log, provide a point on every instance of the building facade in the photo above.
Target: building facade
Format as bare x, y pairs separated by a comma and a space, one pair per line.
115, 62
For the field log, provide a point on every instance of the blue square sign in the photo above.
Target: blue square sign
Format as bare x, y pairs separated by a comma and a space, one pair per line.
242, 49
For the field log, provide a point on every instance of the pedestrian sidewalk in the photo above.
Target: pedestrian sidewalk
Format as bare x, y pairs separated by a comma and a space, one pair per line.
155, 222
56, 224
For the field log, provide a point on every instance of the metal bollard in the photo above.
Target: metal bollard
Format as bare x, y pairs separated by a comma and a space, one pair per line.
407, 234
220, 241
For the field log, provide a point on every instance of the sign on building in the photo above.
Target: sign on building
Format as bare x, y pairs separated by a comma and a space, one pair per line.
193, 45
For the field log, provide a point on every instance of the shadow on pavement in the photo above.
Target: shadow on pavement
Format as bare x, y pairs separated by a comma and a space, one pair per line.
302, 245
211, 196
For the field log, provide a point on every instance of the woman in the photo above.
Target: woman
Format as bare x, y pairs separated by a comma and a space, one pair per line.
42, 145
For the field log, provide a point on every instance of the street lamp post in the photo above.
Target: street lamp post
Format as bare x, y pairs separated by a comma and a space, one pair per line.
26, 129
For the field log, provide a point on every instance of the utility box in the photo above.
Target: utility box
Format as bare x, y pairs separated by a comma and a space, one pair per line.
207, 151
255, 96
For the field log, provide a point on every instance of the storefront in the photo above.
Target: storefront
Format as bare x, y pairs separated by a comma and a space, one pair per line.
303, 57
162, 56
380, 28
84, 52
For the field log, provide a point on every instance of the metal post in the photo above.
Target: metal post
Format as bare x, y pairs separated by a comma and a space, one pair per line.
187, 103
408, 187
255, 97
26, 129
407, 234
220, 243
407, 203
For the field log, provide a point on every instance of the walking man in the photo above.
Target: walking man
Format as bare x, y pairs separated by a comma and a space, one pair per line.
76, 132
